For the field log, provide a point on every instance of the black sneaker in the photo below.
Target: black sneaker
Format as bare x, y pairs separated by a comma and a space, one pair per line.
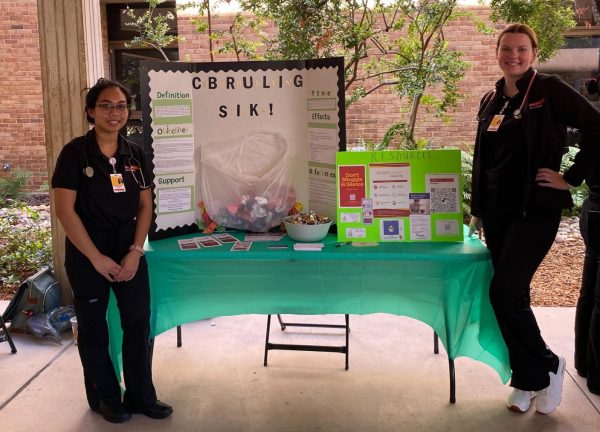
158, 410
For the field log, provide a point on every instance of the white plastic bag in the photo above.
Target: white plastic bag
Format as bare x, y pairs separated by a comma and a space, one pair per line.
40, 326
247, 184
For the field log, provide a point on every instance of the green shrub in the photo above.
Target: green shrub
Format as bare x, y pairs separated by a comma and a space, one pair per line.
25, 246
466, 159
12, 188
579, 193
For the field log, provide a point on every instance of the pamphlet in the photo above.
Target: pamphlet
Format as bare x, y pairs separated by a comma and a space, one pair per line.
241, 246
188, 244
224, 238
207, 241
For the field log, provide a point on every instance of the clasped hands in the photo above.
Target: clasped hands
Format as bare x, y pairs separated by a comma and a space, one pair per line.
114, 272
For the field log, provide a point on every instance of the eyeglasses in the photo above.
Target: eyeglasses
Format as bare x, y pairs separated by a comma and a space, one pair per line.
108, 107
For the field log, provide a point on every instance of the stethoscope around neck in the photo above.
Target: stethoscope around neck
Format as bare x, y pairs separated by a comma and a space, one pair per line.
88, 171
518, 113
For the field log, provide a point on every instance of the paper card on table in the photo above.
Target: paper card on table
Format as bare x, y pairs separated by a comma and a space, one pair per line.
207, 241
186, 244
224, 237
241, 246
308, 246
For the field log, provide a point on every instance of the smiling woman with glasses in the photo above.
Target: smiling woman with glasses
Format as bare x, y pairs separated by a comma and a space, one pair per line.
105, 207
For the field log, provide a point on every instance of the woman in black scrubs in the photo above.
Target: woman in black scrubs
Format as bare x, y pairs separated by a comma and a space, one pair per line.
587, 317
518, 196
103, 200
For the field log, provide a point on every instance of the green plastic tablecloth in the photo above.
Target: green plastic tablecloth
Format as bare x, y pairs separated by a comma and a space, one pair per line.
444, 285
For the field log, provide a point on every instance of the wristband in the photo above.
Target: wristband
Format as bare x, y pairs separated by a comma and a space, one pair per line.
137, 248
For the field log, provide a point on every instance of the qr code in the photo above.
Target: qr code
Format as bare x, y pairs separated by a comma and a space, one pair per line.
444, 200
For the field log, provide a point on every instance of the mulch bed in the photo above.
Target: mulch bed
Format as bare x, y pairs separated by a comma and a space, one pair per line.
558, 280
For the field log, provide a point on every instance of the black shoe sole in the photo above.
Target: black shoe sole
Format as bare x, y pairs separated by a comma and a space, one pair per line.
122, 419
151, 414
155, 416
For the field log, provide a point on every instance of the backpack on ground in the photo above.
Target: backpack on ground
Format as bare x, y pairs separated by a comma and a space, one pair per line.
39, 293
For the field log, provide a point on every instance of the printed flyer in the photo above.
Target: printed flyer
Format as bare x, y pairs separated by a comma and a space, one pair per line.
401, 196
246, 140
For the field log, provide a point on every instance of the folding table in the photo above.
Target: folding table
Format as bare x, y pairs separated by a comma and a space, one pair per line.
444, 285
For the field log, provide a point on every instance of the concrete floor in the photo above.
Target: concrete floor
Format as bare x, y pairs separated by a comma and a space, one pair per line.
216, 382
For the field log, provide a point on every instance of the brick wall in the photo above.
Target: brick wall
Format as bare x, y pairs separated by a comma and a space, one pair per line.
22, 142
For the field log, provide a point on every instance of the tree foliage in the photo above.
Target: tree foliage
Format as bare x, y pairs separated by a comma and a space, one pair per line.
549, 18
152, 26
397, 44
420, 65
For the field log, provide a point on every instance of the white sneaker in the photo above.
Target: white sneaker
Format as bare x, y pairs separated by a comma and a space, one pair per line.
549, 398
520, 400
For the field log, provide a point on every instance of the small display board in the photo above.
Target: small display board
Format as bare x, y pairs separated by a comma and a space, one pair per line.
399, 196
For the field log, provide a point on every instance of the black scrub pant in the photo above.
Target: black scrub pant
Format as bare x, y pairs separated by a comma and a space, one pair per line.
91, 292
518, 245
587, 316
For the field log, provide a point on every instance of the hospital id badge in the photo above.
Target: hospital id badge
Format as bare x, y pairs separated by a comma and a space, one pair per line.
495, 123
117, 182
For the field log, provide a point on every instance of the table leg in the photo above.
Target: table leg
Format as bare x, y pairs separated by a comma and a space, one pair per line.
267, 339
281, 323
347, 317
13, 348
436, 350
452, 381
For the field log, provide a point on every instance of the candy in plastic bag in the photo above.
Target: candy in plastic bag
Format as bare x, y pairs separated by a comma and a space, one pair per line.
246, 183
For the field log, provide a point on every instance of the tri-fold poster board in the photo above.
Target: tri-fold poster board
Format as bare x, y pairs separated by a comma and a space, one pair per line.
226, 113
279, 127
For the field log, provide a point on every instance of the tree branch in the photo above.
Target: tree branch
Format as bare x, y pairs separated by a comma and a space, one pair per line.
381, 84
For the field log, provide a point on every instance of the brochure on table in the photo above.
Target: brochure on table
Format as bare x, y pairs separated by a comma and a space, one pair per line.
187, 107
400, 196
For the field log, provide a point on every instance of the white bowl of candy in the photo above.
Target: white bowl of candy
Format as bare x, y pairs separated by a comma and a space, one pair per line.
307, 227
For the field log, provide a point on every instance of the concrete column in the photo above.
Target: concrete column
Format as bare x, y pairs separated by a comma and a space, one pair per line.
71, 60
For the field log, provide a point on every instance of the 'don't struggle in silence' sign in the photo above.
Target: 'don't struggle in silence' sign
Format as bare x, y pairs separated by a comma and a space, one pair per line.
402, 196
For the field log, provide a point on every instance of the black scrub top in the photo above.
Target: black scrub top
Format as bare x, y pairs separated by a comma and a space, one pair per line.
98, 206
503, 159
